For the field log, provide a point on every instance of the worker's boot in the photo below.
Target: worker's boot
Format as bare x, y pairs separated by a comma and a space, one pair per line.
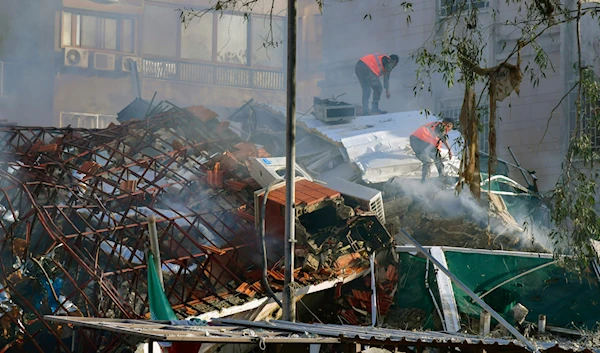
365, 106
376, 110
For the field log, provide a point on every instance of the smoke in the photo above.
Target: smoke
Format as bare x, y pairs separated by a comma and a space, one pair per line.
27, 53
439, 202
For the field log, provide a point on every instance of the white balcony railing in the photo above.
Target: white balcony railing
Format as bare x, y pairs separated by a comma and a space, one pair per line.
86, 120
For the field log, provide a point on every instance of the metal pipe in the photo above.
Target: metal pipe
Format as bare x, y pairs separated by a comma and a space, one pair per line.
374, 294
289, 305
542, 324
484, 323
154, 248
470, 293
519, 166
263, 241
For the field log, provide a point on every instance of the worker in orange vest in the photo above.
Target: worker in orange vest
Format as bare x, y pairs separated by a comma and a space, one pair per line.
368, 69
426, 143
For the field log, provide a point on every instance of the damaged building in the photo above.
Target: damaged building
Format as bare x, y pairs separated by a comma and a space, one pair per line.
75, 210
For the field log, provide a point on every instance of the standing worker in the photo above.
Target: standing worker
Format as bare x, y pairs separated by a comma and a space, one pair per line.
368, 69
426, 143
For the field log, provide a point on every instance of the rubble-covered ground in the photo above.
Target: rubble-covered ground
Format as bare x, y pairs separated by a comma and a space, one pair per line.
434, 214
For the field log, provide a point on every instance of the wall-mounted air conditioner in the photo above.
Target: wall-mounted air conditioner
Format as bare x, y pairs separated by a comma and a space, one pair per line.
368, 198
266, 170
126, 63
76, 57
104, 61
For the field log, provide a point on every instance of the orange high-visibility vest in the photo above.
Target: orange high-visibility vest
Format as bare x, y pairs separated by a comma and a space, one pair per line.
428, 134
374, 62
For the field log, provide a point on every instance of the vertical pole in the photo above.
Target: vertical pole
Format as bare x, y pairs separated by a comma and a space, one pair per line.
484, 323
289, 304
374, 294
155, 248
542, 324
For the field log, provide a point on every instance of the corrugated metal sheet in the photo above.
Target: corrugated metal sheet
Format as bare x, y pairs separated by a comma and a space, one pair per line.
378, 144
391, 336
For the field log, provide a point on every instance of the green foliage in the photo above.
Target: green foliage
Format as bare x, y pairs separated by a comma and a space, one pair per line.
455, 55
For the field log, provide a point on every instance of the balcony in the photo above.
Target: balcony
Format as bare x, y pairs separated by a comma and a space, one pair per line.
217, 75
86, 120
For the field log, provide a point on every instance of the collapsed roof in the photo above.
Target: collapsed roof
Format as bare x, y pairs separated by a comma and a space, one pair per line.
74, 208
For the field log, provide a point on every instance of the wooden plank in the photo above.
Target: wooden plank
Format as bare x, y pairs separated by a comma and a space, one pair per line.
449, 307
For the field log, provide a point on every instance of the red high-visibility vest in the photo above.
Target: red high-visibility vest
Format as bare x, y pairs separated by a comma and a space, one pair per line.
428, 134
374, 62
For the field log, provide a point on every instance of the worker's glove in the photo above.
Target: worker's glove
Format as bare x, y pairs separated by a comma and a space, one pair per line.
387, 94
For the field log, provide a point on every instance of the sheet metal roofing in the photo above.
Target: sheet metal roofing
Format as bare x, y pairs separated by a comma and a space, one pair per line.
377, 144
381, 336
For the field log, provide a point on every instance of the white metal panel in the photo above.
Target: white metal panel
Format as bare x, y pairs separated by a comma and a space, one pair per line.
379, 145
449, 307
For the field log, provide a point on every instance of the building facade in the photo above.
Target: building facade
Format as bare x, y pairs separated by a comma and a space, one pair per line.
355, 28
87, 47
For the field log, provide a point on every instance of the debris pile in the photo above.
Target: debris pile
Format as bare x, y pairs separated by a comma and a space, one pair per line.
73, 222
439, 217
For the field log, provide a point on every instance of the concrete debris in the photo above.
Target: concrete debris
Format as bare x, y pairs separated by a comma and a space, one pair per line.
519, 313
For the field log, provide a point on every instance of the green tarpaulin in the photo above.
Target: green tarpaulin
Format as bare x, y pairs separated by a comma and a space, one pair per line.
566, 300
160, 308
552, 291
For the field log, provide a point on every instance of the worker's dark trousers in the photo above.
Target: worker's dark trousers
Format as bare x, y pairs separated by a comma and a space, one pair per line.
427, 152
368, 80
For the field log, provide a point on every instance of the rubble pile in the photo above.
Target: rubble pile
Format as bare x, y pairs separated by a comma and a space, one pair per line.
74, 209
440, 218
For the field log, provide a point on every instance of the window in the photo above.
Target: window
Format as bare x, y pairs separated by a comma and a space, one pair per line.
87, 121
86, 31
483, 113
160, 31
587, 121
265, 53
448, 7
232, 39
484, 122
196, 39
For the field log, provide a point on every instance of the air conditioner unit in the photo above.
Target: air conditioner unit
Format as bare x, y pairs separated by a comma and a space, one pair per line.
104, 61
368, 198
266, 170
76, 57
126, 63
330, 111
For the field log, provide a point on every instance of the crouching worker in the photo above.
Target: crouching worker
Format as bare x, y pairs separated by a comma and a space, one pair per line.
368, 70
426, 143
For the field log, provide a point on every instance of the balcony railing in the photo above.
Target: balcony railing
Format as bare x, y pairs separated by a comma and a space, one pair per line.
86, 120
213, 74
